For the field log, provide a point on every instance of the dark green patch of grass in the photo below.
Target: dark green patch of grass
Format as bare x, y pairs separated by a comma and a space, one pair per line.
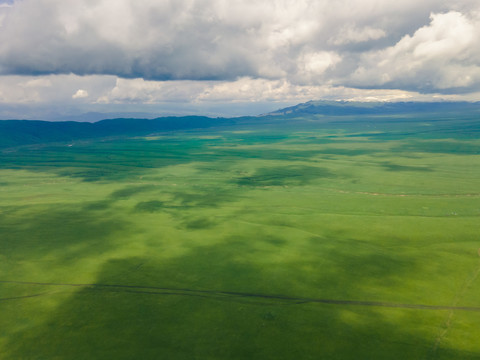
130, 191
286, 175
198, 224
205, 197
347, 152
150, 206
274, 240
98, 205
457, 147
396, 167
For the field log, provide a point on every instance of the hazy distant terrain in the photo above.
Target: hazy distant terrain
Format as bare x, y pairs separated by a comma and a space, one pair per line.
319, 231
21, 132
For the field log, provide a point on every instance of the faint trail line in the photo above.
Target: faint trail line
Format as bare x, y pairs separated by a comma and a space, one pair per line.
221, 297
448, 323
402, 195
24, 297
155, 290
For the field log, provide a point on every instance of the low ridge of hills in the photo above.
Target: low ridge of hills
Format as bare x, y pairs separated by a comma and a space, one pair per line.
28, 132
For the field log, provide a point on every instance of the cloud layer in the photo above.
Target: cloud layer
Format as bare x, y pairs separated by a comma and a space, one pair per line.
441, 56
202, 50
304, 41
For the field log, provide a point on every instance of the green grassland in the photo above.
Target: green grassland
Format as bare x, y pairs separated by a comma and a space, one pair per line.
348, 239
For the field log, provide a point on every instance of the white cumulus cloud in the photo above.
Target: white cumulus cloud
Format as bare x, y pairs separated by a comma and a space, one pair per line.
444, 55
80, 94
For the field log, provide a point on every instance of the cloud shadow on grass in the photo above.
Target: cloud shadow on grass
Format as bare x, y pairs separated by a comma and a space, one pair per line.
101, 160
179, 314
58, 232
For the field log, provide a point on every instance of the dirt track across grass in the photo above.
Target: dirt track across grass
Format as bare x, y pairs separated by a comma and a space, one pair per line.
233, 296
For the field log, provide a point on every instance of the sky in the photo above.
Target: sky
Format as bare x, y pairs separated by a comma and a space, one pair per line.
63, 58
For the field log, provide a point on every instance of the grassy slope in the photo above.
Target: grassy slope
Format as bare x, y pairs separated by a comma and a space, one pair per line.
378, 210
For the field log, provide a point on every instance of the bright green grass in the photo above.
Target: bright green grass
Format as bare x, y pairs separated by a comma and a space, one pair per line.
338, 213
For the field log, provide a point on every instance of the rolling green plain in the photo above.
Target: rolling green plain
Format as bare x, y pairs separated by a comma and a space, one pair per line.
312, 238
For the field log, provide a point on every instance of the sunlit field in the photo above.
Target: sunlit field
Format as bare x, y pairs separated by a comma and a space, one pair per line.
313, 240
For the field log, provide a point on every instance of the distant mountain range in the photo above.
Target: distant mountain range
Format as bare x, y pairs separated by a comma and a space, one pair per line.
338, 108
27, 132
